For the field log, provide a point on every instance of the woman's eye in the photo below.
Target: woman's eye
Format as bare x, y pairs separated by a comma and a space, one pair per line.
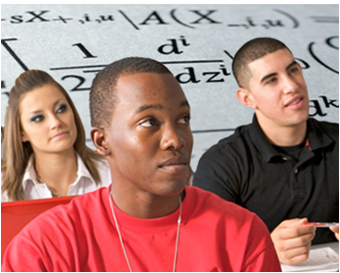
61, 109
37, 119
185, 120
148, 123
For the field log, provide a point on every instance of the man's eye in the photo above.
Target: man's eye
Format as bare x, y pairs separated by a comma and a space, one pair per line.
272, 80
148, 123
185, 120
294, 70
37, 119
61, 109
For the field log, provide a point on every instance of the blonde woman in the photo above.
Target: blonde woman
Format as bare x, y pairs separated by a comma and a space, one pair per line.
45, 154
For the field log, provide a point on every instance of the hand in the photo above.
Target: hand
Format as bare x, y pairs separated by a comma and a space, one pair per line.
336, 231
292, 240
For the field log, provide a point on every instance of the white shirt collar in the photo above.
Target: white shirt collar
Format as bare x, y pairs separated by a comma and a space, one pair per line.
30, 174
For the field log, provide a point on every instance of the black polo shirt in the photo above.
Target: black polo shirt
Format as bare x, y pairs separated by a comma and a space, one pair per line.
246, 169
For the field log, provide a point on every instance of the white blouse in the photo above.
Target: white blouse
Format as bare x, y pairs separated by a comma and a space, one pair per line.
84, 182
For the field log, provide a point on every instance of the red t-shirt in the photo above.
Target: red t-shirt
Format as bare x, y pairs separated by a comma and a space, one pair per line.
215, 235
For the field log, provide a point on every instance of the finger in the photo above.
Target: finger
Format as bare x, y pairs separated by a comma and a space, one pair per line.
298, 242
301, 221
334, 229
294, 259
292, 222
296, 231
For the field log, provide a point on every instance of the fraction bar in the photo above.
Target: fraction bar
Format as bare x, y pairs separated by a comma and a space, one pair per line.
166, 62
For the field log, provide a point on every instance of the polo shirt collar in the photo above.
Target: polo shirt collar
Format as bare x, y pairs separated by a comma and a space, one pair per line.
315, 136
261, 142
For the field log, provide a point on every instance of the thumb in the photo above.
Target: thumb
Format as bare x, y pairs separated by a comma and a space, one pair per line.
301, 221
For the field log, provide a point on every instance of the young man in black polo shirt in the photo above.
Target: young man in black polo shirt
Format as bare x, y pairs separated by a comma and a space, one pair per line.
284, 165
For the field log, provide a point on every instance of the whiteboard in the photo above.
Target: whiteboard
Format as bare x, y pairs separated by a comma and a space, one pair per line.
196, 42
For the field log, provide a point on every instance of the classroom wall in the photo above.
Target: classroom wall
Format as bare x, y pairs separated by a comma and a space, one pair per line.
196, 42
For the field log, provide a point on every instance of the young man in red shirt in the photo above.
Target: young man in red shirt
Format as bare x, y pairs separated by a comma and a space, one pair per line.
148, 219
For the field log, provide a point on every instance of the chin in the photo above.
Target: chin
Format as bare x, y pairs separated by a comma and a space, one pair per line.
301, 119
170, 188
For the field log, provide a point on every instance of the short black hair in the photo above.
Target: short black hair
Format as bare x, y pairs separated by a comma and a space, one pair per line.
103, 96
251, 51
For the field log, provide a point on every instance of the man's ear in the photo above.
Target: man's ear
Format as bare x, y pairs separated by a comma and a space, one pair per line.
100, 141
246, 98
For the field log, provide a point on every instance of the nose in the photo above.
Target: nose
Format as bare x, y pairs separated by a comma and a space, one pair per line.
289, 85
55, 122
171, 138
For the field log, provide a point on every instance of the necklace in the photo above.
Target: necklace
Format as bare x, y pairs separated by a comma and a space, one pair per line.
120, 235
54, 193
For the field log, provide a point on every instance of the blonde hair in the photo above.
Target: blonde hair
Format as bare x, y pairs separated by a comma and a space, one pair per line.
18, 153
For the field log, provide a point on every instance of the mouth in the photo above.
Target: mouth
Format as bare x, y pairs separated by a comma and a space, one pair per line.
175, 164
59, 135
294, 101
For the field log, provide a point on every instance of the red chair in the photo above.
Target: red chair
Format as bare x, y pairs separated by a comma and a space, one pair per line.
16, 215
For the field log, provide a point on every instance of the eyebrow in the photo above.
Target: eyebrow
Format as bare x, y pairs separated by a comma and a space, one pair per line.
158, 106
274, 74
54, 105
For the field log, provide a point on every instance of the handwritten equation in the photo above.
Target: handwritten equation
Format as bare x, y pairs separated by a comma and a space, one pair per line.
278, 19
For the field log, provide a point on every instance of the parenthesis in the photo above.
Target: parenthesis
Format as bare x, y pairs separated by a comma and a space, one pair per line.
328, 42
310, 49
295, 22
172, 13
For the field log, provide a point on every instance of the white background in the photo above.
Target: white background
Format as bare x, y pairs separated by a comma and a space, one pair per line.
51, 37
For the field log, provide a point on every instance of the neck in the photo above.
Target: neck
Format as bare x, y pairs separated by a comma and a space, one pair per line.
145, 205
57, 170
285, 135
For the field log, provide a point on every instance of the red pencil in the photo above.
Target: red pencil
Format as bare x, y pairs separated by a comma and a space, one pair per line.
318, 224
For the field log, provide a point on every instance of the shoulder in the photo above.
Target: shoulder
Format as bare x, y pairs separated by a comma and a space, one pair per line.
70, 215
229, 146
239, 233
328, 127
229, 218
324, 130
53, 238
226, 210
229, 154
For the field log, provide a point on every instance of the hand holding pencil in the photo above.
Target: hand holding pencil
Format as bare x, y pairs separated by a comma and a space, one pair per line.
322, 225
334, 227
292, 240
